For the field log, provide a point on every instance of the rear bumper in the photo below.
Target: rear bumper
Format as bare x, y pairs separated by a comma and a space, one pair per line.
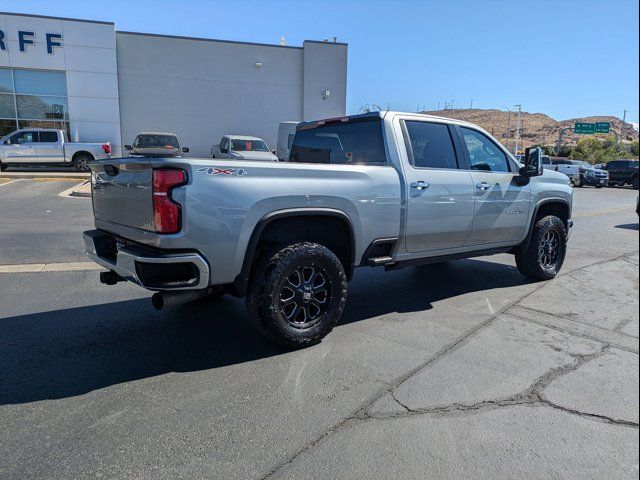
150, 268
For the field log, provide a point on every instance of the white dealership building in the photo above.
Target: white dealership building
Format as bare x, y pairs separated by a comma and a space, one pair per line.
101, 84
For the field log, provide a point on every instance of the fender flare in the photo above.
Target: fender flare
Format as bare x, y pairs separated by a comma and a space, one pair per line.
242, 279
525, 243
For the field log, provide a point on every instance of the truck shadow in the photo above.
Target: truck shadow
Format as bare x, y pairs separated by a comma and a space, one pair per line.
64, 353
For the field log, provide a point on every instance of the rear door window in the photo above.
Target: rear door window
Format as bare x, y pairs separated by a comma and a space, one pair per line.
48, 137
357, 142
429, 145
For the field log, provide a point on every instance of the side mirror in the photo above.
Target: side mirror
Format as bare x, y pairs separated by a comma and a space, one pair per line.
224, 150
532, 162
273, 151
185, 149
128, 147
7, 142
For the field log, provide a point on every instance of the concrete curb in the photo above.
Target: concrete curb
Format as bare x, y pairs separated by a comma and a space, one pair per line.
82, 189
60, 175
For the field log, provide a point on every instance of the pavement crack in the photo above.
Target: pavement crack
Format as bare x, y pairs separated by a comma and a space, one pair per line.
593, 416
393, 395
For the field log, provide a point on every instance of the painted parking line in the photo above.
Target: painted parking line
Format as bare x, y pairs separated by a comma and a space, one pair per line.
49, 267
7, 182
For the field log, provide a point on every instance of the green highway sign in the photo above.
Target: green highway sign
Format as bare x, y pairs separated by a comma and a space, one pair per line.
584, 128
603, 127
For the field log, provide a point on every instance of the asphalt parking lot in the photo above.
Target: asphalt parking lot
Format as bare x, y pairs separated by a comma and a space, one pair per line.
444, 371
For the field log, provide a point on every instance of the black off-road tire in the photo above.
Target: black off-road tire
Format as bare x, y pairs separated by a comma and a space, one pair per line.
269, 284
3, 167
81, 163
635, 183
532, 261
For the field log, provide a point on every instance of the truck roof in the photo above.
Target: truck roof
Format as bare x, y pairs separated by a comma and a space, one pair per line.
243, 137
157, 133
384, 114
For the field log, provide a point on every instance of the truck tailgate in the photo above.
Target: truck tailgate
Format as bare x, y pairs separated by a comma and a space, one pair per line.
122, 192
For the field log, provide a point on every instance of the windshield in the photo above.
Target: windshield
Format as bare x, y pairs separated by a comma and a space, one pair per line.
249, 146
156, 141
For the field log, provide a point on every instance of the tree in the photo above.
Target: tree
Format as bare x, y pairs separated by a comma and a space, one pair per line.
595, 150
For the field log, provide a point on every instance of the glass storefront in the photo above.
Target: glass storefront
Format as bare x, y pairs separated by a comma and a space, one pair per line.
32, 99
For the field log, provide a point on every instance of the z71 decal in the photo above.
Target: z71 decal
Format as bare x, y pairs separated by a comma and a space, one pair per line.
221, 171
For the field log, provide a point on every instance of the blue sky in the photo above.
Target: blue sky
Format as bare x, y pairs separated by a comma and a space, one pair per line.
565, 58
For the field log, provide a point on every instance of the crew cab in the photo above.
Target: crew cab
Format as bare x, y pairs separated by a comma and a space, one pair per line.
43, 146
382, 189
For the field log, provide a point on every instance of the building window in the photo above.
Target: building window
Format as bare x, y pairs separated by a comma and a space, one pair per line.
33, 99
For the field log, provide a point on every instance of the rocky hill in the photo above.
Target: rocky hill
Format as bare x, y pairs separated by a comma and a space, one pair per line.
535, 128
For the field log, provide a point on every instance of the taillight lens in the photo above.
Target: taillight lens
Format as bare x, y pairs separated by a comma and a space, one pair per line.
166, 213
106, 148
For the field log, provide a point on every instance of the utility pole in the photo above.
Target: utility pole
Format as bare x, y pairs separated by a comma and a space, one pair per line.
508, 130
624, 118
518, 129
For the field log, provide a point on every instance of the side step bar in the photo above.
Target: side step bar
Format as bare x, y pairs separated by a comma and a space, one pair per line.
376, 261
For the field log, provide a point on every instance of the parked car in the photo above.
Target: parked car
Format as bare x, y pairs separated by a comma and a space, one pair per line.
156, 144
45, 146
286, 132
588, 175
243, 147
623, 172
378, 189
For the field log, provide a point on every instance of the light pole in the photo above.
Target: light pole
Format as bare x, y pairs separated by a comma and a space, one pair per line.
518, 129
506, 142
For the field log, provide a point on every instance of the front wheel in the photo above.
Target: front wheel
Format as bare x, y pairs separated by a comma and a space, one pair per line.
544, 256
297, 294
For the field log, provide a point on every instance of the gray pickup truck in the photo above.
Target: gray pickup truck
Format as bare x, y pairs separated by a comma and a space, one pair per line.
379, 189
44, 146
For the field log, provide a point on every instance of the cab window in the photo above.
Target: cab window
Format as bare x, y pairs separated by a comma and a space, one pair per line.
429, 145
48, 137
484, 154
23, 137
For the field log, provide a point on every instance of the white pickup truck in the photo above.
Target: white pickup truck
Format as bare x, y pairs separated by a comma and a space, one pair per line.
40, 146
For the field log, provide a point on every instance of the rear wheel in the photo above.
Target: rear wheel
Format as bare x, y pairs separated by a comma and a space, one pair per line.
81, 163
297, 294
634, 183
544, 256
3, 167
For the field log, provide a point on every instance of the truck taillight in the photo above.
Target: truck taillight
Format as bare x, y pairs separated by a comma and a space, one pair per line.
166, 213
106, 148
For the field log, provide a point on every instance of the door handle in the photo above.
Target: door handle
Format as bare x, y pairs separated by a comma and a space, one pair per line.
482, 186
419, 185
